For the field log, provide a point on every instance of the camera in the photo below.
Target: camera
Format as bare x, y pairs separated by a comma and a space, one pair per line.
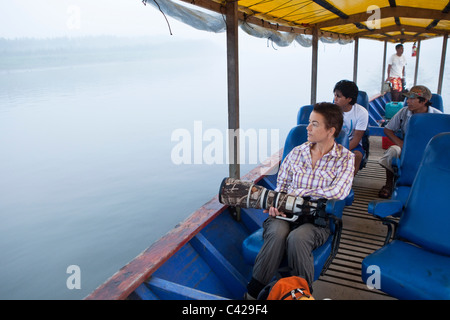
246, 194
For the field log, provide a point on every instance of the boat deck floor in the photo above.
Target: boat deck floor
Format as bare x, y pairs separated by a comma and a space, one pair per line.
362, 234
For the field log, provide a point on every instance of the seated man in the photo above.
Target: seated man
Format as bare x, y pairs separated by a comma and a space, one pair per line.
356, 117
418, 102
319, 168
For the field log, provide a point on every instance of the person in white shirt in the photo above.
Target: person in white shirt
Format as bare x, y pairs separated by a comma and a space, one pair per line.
356, 117
396, 73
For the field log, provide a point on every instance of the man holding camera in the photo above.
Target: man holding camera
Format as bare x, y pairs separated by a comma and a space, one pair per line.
320, 169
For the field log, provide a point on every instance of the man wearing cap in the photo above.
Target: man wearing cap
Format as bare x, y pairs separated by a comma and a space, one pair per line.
418, 102
396, 72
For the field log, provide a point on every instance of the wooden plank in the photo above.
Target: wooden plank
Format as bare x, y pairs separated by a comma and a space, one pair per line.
362, 246
350, 257
338, 287
370, 238
353, 251
403, 27
353, 263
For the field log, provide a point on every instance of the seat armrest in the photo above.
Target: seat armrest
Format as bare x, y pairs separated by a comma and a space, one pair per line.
335, 207
382, 209
385, 208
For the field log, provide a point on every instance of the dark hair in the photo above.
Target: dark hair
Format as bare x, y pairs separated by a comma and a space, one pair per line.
422, 99
349, 89
398, 46
334, 118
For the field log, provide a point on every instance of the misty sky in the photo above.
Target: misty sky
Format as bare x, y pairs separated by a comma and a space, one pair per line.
71, 18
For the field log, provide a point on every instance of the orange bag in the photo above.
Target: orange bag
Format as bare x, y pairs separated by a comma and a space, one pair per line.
290, 288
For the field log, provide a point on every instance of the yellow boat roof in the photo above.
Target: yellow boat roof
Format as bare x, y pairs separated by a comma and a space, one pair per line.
391, 20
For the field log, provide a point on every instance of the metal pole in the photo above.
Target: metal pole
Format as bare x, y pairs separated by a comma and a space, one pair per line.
315, 53
416, 71
355, 61
233, 87
384, 66
441, 71
233, 94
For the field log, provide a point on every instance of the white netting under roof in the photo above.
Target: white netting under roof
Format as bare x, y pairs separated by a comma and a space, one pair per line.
215, 22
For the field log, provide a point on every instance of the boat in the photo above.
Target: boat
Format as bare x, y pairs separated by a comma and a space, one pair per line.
202, 257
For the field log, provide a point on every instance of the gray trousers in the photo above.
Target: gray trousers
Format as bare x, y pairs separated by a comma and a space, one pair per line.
392, 152
298, 244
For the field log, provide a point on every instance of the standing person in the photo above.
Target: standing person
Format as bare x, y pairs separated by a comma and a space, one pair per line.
396, 73
418, 102
319, 168
356, 117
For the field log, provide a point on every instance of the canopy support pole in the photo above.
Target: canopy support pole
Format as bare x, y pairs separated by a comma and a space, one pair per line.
315, 53
441, 71
416, 71
233, 94
355, 61
384, 66
233, 87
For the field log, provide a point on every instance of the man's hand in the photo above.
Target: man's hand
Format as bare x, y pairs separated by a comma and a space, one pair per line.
273, 212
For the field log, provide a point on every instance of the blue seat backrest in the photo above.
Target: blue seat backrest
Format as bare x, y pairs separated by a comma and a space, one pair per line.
299, 135
426, 219
436, 102
303, 114
363, 99
422, 127
295, 137
343, 139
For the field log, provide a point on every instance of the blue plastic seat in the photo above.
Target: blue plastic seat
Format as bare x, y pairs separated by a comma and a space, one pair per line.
296, 136
303, 114
375, 113
363, 99
334, 208
416, 264
422, 127
436, 102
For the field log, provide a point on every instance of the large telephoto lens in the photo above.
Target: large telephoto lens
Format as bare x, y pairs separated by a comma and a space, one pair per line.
246, 194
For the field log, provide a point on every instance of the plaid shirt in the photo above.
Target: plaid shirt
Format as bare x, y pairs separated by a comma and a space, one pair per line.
331, 178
